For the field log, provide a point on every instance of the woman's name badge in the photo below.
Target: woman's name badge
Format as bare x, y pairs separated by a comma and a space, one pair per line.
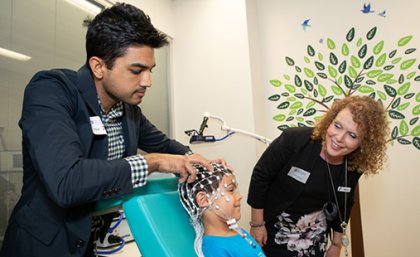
98, 127
299, 174
344, 189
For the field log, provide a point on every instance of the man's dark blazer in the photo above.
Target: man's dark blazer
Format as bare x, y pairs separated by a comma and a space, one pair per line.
65, 165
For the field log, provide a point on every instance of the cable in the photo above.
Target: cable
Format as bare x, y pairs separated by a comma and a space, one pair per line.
227, 135
112, 238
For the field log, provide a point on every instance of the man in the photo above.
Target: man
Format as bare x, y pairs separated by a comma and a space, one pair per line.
81, 132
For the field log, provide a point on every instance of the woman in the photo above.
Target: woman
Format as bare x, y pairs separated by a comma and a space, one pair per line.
303, 185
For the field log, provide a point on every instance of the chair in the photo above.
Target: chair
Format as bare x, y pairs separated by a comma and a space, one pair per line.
157, 220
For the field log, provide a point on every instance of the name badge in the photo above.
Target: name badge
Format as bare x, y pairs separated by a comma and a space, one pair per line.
98, 127
299, 174
344, 189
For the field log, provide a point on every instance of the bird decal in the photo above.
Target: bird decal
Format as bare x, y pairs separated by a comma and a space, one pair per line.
382, 14
366, 8
305, 24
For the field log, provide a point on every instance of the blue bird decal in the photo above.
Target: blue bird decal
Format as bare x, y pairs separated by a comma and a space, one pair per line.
366, 8
305, 24
382, 14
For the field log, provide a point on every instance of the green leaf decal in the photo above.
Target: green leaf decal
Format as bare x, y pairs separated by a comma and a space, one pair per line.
286, 77
319, 65
315, 81
392, 53
384, 77
279, 117
416, 142
330, 44
290, 118
396, 103
391, 81
394, 132
417, 78
350, 35
309, 73
401, 79
311, 51
352, 72
296, 105
381, 95
359, 42
408, 96
327, 99
285, 94
283, 105
418, 97
381, 60
389, 67
403, 141
403, 128
365, 89
371, 33
290, 88
403, 41
342, 67
355, 61
410, 50
298, 81
416, 110
283, 127
370, 82
333, 59
416, 131
320, 57
407, 64
309, 112
306, 59
411, 75
368, 63
299, 95
396, 60
378, 47
404, 88
362, 52
308, 85
322, 90
332, 71
348, 82
412, 122
403, 106
345, 49
275, 82
396, 115
290, 61
298, 69
336, 90
274, 98
322, 75
373, 73
390, 91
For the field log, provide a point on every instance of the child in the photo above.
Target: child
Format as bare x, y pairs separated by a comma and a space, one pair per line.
213, 204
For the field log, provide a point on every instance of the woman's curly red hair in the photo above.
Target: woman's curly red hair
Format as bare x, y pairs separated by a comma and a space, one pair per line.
372, 125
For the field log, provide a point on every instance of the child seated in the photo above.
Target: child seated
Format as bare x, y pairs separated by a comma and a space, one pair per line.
213, 204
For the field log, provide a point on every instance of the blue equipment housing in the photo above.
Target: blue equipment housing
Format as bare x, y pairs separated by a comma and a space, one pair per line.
157, 220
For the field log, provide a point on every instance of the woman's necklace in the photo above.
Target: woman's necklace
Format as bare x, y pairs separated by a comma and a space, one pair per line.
344, 240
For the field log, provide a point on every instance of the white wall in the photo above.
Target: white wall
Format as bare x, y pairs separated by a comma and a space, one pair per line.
211, 73
223, 57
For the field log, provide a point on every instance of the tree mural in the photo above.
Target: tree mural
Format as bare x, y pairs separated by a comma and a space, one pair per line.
359, 66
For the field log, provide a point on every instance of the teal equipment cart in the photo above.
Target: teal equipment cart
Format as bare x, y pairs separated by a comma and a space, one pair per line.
158, 222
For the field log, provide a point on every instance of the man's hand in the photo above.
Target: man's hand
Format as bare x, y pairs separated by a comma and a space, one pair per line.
180, 165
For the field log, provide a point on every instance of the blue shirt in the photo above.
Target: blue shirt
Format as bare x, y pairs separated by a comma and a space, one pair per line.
232, 246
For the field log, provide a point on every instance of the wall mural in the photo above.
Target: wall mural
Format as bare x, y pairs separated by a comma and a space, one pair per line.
361, 65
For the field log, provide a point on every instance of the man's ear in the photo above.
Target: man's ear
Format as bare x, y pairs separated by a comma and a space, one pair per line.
202, 200
97, 66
